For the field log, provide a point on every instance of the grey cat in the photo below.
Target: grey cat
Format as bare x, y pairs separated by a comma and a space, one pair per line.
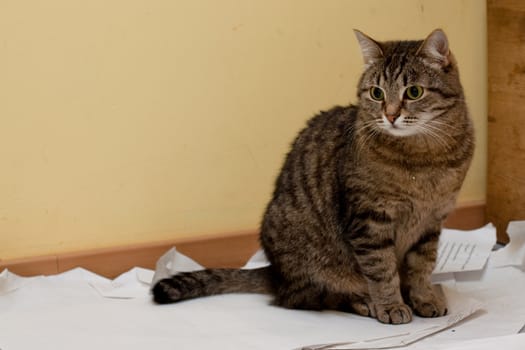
357, 210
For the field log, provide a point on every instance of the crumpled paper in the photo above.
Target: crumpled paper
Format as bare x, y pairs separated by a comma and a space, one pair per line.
459, 305
513, 254
9, 282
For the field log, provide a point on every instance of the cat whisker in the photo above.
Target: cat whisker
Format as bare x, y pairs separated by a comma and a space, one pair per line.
370, 136
443, 124
432, 134
369, 129
439, 129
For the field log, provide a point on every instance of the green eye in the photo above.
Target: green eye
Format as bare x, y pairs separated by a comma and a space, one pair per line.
376, 93
414, 92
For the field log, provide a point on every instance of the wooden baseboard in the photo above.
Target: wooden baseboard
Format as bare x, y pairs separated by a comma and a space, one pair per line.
229, 250
467, 216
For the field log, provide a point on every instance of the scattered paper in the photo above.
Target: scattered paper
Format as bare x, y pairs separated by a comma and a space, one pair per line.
173, 262
9, 282
66, 311
133, 284
509, 342
145, 275
461, 251
257, 260
513, 254
460, 307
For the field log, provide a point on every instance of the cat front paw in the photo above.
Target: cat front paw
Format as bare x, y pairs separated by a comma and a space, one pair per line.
363, 307
397, 313
428, 304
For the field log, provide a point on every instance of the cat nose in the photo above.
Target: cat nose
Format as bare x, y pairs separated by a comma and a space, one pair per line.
392, 117
392, 112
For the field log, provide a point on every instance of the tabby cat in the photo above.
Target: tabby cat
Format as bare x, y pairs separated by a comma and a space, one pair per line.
356, 214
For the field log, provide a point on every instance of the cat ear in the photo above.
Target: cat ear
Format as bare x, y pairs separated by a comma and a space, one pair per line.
435, 48
371, 50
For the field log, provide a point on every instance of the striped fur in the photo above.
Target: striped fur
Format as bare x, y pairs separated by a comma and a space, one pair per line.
355, 218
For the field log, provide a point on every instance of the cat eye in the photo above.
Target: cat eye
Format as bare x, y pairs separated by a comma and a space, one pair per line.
376, 93
414, 92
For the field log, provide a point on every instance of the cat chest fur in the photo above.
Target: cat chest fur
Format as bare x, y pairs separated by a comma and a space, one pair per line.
417, 200
413, 191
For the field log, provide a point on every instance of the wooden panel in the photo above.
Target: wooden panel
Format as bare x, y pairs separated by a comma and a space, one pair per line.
230, 250
111, 262
506, 128
41, 265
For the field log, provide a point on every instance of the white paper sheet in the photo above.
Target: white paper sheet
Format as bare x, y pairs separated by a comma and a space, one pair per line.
133, 284
509, 342
460, 307
503, 307
173, 262
461, 251
9, 282
66, 312
513, 254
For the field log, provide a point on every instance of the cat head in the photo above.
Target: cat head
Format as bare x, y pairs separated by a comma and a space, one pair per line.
408, 87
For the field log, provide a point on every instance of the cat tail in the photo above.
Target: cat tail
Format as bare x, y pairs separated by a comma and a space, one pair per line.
189, 285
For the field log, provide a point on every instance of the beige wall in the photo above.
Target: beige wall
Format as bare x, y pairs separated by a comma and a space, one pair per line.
133, 121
